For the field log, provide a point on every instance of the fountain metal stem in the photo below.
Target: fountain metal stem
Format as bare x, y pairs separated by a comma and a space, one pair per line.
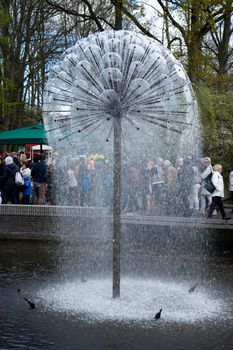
116, 206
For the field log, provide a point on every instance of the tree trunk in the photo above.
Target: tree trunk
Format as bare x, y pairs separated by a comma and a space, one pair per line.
118, 14
194, 59
223, 49
194, 43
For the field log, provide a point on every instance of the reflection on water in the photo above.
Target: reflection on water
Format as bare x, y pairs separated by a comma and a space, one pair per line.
34, 268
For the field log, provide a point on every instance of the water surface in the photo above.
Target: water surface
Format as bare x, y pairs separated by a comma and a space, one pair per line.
34, 268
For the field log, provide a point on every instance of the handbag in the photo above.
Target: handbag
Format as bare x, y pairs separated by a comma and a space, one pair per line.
208, 184
19, 181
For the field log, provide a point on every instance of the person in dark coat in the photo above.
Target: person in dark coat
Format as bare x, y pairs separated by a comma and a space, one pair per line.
2, 169
39, 176
9, 188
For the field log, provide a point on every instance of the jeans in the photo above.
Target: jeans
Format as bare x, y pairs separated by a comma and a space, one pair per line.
206, 198
216, 201
10, 194
26, 199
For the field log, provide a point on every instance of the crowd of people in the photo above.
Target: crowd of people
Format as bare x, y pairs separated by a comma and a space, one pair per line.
147, 187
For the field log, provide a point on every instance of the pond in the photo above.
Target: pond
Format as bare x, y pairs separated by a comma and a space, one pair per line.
35, 270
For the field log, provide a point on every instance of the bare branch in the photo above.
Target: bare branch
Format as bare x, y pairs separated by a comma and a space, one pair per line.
173, 21
92, 15
176, 38
139, 25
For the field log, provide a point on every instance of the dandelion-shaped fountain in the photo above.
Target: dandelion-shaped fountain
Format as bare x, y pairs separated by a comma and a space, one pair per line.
112, 82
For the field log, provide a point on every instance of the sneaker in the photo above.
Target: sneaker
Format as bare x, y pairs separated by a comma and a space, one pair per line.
227, 218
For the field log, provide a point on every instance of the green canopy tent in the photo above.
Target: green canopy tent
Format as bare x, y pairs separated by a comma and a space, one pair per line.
33, 134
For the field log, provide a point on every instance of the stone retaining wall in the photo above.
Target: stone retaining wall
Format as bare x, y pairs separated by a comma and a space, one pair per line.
50, 222
57, 222
50, 210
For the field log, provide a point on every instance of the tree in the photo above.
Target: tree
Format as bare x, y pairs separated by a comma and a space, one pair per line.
17, 31
32, 36
105, 14
198, 17
218, 43
216, 124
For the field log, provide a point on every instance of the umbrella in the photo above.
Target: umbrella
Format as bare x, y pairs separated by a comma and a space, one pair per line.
33, 134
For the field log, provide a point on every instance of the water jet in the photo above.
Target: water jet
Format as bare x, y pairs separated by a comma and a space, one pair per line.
110, 86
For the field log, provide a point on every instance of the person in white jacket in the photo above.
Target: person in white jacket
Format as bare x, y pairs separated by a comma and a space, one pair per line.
231, 185
206, 197
218, 193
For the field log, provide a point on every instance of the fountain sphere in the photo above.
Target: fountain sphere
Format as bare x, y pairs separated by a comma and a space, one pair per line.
119, 75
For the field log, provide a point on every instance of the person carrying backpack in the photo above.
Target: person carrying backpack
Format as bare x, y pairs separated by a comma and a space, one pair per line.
9, 188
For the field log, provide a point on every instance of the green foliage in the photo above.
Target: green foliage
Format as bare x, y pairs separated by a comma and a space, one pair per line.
4, 40
206, 105
4, 17
7, 107
217, 124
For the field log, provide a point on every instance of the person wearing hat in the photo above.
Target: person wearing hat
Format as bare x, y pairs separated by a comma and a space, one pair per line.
9, 189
